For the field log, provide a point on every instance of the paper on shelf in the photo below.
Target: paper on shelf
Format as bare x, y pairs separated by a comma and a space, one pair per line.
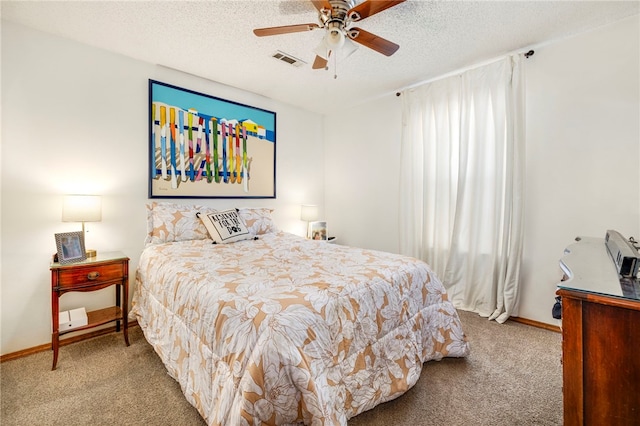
74, 318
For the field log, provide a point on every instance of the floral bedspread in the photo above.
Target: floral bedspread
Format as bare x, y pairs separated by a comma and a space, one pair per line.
283, 330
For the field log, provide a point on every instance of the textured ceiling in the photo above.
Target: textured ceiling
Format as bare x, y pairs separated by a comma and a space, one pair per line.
214, 39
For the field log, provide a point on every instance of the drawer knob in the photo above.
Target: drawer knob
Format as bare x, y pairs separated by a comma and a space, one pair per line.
93, 275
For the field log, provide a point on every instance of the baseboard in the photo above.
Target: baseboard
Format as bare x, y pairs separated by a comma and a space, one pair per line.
85, 336
537, 324
63, 342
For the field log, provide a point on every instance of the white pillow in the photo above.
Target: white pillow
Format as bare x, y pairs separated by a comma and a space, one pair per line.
167, 222
258, 220
225, 226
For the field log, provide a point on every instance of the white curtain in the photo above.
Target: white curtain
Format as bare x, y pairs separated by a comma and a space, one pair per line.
462, 182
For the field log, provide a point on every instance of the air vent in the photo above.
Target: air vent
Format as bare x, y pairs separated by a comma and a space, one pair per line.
284, 57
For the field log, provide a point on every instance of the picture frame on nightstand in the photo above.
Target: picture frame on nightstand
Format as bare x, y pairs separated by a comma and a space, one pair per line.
70, 246
318, 231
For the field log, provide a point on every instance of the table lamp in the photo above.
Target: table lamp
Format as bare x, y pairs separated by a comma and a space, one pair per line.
308, 213
82, 208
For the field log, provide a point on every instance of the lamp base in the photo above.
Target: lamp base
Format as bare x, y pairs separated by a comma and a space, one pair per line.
91, 253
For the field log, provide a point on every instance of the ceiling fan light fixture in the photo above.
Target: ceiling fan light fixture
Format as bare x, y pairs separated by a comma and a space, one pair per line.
348, 49
322, 50
334, 38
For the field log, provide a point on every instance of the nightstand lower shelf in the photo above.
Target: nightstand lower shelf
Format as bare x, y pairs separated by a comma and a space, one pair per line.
100, 317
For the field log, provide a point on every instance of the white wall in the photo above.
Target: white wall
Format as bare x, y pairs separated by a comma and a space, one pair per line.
583, 152
74, 120
362, 166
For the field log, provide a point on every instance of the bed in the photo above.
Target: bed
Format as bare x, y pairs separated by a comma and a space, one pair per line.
278, 329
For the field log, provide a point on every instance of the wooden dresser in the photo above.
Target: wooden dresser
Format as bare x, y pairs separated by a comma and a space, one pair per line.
600, 338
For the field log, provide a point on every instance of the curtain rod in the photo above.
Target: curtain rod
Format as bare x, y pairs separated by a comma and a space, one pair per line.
527, 55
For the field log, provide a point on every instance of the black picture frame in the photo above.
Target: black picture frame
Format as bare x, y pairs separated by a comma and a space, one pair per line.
201, 146
70, 246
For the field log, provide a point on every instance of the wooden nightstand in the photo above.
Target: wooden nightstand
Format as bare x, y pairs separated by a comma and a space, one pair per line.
104, 270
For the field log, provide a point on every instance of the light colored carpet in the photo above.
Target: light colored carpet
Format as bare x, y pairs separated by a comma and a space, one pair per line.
513, 376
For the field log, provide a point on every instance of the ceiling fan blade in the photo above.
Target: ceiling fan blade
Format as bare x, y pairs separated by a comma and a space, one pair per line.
285, 29
321, 4
320, 63
370, 7
372, 41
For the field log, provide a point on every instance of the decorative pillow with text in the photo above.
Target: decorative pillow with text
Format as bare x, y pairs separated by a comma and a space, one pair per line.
225, 226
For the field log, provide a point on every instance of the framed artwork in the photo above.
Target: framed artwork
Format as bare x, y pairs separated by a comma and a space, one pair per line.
70, 247
317, 231
201, 146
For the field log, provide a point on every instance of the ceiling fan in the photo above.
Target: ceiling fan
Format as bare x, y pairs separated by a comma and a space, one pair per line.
337, 17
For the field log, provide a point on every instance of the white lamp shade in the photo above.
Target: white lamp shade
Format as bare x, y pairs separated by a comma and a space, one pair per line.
334, 39
348, 49
309, 212
82, 208
322, 50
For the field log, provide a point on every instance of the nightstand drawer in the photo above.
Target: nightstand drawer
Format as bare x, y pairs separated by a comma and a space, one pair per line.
90, 275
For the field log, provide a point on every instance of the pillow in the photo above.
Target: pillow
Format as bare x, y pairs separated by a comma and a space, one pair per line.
168, 222
225, 226
258, 220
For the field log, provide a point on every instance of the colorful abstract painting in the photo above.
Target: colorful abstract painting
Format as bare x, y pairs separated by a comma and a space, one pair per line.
201, 146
